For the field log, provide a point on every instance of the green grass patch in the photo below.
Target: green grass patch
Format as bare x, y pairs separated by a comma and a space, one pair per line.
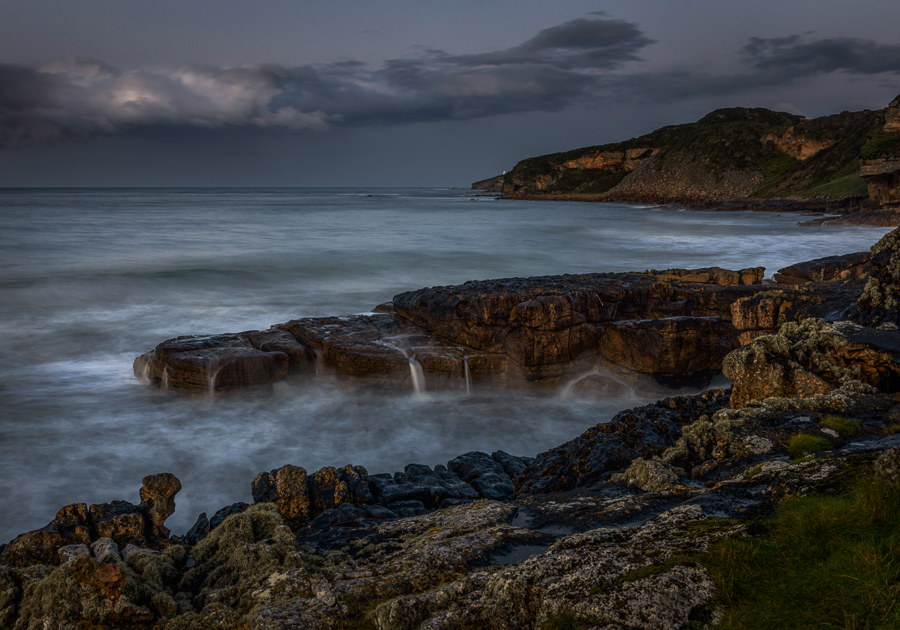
844, 426
848, 186
804, 444
881, 143
655, 569
828, 562
891, 430
563, 620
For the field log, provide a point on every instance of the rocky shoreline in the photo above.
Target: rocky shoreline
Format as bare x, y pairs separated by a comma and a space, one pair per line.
604, 530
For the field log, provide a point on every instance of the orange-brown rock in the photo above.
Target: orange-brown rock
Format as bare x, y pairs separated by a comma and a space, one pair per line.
70, 527
287, 488
795, 144
617, 161
671, 346
823, 269
158, 501
892, 116
505, 332
126, 524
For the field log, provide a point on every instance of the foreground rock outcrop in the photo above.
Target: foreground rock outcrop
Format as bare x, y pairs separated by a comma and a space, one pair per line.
616, 545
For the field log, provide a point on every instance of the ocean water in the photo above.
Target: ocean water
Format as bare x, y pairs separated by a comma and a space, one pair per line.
92, 278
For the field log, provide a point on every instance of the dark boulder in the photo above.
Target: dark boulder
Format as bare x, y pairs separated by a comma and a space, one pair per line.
484, 474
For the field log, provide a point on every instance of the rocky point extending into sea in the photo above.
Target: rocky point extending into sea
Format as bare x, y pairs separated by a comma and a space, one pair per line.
597, 528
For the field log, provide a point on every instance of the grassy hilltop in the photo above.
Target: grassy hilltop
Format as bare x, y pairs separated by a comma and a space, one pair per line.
729, 154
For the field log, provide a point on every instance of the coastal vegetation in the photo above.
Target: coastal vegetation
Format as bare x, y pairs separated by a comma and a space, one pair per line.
734, 154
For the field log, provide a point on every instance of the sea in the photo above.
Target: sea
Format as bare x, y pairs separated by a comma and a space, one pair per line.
91, 278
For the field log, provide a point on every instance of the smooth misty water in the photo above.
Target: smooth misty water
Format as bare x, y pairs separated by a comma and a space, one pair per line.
92, 278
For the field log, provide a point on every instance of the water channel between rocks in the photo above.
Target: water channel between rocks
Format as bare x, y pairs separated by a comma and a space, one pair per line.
92, 278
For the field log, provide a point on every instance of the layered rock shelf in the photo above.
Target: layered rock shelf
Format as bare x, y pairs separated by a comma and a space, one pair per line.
509, 333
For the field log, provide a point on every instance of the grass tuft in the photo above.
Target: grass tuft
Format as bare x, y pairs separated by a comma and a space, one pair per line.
844, 426
804, 444
563, 620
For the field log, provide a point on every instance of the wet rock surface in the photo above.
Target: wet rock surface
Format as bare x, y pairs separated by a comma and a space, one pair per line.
505, 332
613, 541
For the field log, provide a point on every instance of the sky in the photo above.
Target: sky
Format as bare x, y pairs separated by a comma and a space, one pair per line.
402, 92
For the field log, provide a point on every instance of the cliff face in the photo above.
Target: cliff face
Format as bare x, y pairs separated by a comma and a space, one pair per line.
880, 167
730, 154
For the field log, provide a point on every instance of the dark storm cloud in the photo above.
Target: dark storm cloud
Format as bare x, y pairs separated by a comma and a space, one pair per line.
771, 63
794, 57
80, 97
580, 60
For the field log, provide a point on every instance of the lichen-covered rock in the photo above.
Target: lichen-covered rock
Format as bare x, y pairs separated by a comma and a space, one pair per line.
649, 475
887, 466
596, 576
880, 300
813, 357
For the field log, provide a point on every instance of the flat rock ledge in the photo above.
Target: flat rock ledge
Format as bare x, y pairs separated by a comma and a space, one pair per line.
672, 324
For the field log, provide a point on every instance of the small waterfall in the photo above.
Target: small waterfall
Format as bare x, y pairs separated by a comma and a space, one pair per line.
164, 379
320, 362
211, 377
468, 376
415, 368
418, 374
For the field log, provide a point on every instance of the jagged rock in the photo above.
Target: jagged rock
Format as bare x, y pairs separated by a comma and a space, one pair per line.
70, 527
824, 269
880, 300
158, 501
547, 327
441, 483
484, 474
210, 363
119, 520
198, 530
640, 432
286, 487
813, 358
355, 489
764, 313
386, 488
225, 512
512, 465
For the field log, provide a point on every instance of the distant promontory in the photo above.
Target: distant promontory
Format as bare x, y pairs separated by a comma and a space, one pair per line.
848, 161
